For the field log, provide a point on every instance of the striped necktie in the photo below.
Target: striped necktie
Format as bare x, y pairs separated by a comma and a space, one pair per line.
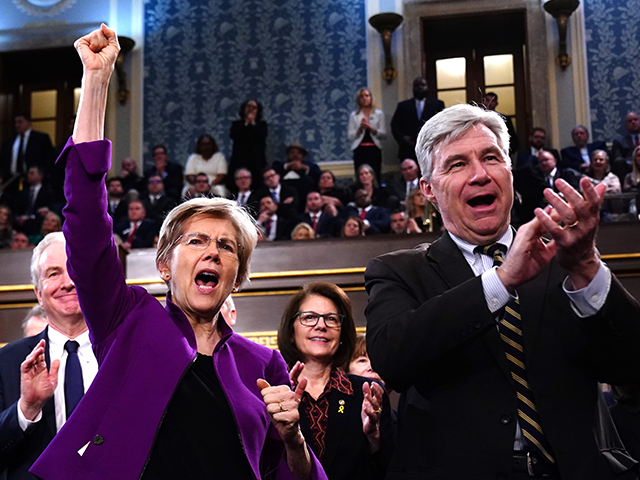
510, 328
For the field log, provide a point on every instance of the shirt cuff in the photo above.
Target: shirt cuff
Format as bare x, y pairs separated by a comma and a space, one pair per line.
589, 300
495, 292
22, 420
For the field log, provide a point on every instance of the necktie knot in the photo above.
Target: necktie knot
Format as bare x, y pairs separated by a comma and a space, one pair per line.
71, 346
497, 251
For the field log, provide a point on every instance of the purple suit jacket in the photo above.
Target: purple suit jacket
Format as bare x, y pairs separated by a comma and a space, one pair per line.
143, 349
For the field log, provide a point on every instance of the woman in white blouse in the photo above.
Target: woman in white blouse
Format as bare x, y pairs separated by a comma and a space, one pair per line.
366, 131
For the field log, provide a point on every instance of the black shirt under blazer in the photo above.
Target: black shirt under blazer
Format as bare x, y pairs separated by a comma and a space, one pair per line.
346, 455
18, 449
429, 327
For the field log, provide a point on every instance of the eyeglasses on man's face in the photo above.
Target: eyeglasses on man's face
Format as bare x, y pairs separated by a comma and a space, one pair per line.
311, 319
200, 241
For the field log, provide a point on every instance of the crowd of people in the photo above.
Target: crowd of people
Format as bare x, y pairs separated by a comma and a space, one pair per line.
496, 337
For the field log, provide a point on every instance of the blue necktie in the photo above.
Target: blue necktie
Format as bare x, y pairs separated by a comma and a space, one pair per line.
73, 384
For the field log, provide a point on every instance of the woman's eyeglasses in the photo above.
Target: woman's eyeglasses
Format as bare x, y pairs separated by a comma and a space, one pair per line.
200, 241
311, 319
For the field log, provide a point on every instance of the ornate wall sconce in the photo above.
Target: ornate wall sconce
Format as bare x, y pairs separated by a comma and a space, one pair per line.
561, 10
385, 24
126, 45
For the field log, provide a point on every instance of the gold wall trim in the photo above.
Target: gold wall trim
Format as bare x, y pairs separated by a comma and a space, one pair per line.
620, 256
9, 306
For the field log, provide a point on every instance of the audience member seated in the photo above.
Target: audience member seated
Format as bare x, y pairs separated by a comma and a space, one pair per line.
332, 195
137, 231
420, 210
20, 242
32, 204
360, 363
6, 227
380, 196
243, 190
490, 102
366, 130
324, 225
281, 194
207, 159
410, 179
303, 231
129, 176
117, 207
275, 224
249, 137
35, 322
298, 172
623, 146
632, 180
600, 172
537, 141
352, 227
170, 173
401, 223
156, 202
531, 181
201, 188
26, 148
577, 156
376, 219
626, 416
51, 223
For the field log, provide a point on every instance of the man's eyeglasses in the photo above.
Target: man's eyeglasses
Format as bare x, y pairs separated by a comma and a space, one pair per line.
311, 319
200, 241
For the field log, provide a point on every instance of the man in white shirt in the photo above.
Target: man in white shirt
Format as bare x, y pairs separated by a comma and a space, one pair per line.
242, 178
498, 338
410, 179
40, 375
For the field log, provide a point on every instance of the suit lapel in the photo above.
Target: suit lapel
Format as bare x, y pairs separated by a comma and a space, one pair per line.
532, 300
342, 409
454, 269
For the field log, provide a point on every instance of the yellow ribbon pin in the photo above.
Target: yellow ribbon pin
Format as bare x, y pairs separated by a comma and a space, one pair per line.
341, 407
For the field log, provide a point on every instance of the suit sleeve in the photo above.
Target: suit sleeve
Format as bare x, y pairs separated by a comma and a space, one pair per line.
408, 333
93, 261
274, 461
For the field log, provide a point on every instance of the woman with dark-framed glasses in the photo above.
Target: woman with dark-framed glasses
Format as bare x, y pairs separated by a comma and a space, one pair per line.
178, 393
346, 419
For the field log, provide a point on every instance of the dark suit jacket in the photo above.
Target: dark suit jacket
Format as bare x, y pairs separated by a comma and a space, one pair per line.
346, 454
39, 152
378, 217
144, 235
18, 450
428, 327
525, 158
158, 210
173, 180
571, 157
327, 225
405, 122
285, 192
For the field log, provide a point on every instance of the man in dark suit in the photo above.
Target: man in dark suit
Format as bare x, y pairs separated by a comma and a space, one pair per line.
410, 179
25, 149
137, 231
274, 220
577, 156
33, 203
33, 404
498, 350
623, 146
376, 219
170, 173
284, 196
116, 206
324, 224
409, 117
156, 202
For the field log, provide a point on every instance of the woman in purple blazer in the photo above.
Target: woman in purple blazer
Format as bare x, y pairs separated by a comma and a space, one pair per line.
178, 394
